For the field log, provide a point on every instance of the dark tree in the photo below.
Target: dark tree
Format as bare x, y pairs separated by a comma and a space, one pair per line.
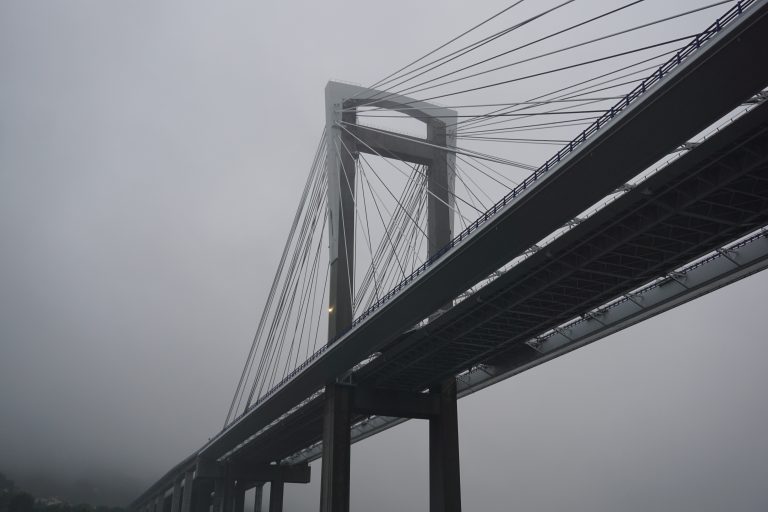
6, 484
21, 502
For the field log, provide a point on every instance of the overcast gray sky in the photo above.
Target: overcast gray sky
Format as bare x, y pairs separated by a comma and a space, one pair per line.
151, 157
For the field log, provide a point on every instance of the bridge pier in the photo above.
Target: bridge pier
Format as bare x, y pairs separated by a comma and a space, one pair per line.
219, 495
276, 489
176, 495
334, 486
257, 496
186, 493
201, 496
438, 407
276, 493
444, 469
230, 482
238, 497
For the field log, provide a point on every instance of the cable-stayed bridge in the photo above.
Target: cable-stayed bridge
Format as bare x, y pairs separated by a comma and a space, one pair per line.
438, 272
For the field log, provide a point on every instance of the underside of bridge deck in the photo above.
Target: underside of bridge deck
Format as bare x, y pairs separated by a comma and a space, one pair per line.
715, 193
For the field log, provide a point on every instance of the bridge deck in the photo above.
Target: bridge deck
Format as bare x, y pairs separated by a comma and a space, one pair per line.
715, 193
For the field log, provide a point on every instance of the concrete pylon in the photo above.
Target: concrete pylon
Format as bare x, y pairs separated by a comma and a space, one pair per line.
345, 141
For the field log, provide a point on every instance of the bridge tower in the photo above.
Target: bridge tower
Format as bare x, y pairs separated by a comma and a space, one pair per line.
346, 140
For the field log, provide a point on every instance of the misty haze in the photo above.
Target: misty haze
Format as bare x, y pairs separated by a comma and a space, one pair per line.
222, 225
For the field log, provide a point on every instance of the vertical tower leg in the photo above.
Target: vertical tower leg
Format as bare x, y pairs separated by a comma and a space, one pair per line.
276, 496
444, 473
341, 162
341, 207
334, 491
441, 177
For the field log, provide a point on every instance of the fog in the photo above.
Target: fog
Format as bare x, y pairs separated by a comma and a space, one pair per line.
151, 157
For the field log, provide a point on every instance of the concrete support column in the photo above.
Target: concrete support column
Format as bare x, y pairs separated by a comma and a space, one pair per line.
186, 495
159, 502
334, 485
201, 496
230, 492
238, 497
219, 494
176, 496
258, 497
444, 471
276, 496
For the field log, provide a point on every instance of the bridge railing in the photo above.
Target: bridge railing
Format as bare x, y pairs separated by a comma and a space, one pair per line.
680, 56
